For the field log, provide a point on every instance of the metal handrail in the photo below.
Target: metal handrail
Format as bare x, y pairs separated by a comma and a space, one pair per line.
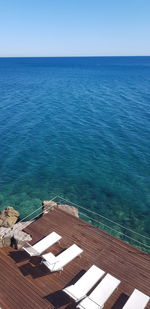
9, 229
121, 233
97, 214
94, 220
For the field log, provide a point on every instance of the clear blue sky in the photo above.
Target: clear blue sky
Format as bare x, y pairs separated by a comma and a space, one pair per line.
74, 27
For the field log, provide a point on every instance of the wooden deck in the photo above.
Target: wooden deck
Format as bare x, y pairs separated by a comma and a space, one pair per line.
25, 283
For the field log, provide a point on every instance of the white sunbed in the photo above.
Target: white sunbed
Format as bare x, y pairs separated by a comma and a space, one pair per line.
79, 290
100, 294
137, 300
56, 263
43, 244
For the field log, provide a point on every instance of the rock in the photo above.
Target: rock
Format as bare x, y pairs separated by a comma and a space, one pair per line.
14, 236
9, 221
8, 217
69, 209
5, 237
21, 225
1, 243
20, 238
50, 205
11, 212
3, 231
7, 240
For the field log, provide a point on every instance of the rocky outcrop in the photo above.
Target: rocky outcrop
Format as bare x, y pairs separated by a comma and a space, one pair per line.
19, 239
11, 232
5, 238
69, 209
8, 217
50, 205
14, 237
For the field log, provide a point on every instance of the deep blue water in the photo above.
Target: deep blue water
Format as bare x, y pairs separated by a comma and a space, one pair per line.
80, 128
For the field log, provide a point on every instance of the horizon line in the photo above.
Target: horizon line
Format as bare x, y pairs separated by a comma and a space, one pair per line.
107, 56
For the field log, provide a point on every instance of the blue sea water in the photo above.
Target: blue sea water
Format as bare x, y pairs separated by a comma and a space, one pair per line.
80, 128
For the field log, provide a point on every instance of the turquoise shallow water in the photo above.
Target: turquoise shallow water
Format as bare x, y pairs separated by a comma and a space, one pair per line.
80, 128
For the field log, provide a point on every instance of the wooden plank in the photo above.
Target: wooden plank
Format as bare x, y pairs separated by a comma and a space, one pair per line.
125, 262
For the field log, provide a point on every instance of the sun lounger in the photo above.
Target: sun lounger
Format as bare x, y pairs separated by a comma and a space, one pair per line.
43, 244
100, 294
137, 300
79, 290
56, 263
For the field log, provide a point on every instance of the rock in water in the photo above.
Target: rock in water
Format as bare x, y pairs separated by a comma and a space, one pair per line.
50, 205
69, 209
8, 217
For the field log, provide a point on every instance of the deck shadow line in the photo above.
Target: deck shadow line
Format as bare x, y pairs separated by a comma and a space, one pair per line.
58, 299
36, 271
19, 256
120, 302
76, 278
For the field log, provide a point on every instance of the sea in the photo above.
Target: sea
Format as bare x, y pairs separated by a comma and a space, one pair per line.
78, 127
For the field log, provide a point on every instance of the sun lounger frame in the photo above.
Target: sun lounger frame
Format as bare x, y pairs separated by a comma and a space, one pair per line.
100, 294
79, 290
51, 261
137, 298
42, 245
